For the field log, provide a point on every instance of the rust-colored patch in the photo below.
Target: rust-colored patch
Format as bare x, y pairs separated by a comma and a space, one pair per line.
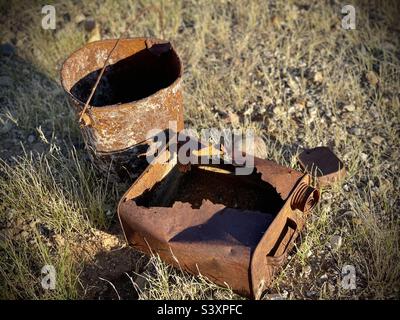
140, 90
235, 230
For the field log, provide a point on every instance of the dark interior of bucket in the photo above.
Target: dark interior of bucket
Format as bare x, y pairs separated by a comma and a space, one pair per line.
217, 184
135, 77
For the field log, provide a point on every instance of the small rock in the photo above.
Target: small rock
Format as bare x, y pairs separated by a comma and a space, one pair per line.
43, 230
350, 107
292, 14
222, 114
300, 103
19, 222
249, 111
324, 277
347, 214
7, 49
377, 140
279, 111
11, 214
90, 24
31, 138
310, 293
285, 294
318, 77
356, 221
372, 78
327, 195
95, 34
371, 183
6, 81
79, 18
276, 21
306, 271
60, 241
271, 126
268, 101
363, 156
262, 110
67, 17
32, 224
24, 234
336, 242
109, 213
357, 131
313, 112
233, 118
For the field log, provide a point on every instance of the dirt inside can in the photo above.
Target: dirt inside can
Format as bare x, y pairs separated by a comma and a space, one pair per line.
217, 184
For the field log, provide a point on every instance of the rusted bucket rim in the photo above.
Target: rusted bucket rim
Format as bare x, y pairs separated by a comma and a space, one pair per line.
114, 107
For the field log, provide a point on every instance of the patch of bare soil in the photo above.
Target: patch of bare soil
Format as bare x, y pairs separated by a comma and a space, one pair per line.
110, 266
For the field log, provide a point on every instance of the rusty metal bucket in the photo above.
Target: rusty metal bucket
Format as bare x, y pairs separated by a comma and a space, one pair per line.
140, 90
235, 230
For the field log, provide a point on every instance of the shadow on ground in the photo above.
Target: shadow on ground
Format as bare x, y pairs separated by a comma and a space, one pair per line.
107, 259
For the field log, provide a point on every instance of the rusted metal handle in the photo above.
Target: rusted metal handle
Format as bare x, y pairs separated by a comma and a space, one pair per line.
87, 106
84, 118
277, 261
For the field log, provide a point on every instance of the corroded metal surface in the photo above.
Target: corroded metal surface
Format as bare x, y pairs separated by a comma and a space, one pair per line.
140, 90
235, 230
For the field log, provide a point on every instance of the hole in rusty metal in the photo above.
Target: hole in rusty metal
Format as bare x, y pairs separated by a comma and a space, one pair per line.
196, 185
135, 77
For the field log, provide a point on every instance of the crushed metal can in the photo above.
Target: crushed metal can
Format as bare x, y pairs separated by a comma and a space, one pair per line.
140, 90
235, 230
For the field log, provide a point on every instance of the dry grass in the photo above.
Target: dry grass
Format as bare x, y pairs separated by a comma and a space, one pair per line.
162, 282
285, 68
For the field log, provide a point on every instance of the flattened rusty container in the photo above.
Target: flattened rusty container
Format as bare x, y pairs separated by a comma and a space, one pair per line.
236, 230
140, 90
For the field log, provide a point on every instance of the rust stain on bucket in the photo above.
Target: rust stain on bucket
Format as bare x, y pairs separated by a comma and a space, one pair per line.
140, 90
